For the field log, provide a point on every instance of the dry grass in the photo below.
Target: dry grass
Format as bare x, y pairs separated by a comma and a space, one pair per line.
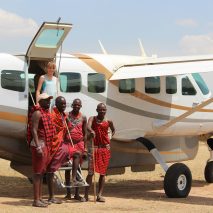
132, 192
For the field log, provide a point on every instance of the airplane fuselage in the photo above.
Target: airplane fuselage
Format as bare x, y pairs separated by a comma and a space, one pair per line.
138, 107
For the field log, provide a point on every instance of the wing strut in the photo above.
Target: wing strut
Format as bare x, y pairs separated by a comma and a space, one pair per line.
184, 115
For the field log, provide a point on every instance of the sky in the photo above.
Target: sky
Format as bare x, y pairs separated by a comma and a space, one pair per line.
165, 27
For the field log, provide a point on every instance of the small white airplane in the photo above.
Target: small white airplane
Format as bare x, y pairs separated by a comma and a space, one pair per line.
160, 106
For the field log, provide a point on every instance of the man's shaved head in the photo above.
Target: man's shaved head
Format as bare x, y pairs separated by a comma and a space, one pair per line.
60, 103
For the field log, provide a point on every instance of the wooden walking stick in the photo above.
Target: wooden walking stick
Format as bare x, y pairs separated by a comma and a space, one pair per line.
68, 133
93, 159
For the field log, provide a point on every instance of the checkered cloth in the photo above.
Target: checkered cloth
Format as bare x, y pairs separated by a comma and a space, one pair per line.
102, 148
59, 120
49, 128
102, 157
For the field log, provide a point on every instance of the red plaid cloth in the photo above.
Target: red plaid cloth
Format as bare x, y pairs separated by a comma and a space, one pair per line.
75, 125
101, 132
59, 123
102, 157
49, 128
101, 140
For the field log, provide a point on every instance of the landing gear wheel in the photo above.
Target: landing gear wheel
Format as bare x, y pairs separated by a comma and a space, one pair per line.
177, 181
208, 172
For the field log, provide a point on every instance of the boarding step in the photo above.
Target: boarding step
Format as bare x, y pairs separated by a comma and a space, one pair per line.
61, 183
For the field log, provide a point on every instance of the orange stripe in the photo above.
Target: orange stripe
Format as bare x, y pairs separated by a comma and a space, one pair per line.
99, 68
142, 151
13, 117
95, 65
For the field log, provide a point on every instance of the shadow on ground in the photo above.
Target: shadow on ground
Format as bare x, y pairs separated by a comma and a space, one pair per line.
18, 187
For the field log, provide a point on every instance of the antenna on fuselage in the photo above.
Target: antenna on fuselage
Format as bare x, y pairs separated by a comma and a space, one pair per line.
58, 20
143, 53
102, 48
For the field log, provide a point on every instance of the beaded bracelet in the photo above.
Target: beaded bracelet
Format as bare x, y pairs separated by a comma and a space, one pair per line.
38, 148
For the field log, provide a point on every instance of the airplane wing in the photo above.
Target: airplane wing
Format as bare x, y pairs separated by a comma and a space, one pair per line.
163, 68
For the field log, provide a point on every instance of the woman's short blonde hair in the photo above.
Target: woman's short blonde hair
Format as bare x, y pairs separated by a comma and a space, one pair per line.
50, 64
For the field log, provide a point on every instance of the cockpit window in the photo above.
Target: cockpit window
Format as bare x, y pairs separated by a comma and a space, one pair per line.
201, 83
187, 87
49, 38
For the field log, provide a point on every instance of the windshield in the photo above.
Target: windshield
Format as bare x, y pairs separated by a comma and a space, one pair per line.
201, 83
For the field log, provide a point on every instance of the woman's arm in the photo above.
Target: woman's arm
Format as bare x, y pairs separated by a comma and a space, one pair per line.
38, 91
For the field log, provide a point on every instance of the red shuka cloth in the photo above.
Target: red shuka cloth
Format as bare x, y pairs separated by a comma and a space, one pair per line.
59, 120
101, 154
49, 128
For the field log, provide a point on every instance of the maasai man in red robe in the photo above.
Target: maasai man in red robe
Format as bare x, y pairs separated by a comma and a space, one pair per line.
39, 136
98, 126
77, 125
60, 151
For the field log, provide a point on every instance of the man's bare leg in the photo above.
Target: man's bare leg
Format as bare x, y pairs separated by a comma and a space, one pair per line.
50, 185
37, 184
87, 188
67, 182
101, 183
76, 161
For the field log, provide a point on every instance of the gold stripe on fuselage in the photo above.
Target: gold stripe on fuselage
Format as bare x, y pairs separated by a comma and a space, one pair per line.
142, 151
99, 68
13, 117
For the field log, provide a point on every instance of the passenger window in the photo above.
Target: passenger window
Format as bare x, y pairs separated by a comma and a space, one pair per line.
171, 85
187, 87
96, 82
152, 85
127, 86
70, 82
13, 80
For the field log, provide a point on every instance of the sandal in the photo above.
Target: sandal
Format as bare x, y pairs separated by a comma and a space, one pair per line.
44, 201
38, 203
76, 183
68, 197
100, 199
54, 200
81, 199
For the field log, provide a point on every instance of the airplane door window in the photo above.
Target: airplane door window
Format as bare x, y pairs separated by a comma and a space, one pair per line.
13, 80
187, 87
49, 38
70, 82
127, 86
152, 85
171, 85
96, 82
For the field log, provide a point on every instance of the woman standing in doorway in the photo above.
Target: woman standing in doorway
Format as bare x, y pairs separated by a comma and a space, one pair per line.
48, 83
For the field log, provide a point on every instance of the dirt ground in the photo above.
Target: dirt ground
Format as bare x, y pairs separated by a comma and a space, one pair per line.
131, 192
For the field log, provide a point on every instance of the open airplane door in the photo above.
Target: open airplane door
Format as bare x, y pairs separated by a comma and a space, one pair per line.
47, 41
42, 49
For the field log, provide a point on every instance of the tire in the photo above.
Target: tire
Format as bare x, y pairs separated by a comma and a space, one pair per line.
208, 172
177, 181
